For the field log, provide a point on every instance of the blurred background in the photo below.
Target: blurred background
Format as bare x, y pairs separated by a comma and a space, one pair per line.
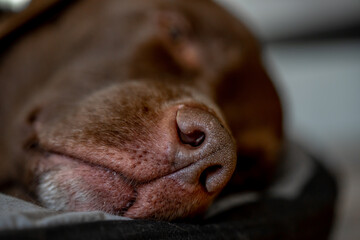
312, 50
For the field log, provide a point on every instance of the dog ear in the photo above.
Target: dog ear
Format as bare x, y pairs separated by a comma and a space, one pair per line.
253, 110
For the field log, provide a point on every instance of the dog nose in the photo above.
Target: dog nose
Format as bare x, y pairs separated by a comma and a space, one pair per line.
206, 146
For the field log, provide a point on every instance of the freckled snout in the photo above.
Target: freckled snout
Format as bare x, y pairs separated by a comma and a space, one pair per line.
204, 141
204, 162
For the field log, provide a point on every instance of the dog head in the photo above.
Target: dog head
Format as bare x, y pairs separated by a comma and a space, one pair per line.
144, 108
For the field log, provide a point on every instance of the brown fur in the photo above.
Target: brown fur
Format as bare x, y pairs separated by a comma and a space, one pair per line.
90, 103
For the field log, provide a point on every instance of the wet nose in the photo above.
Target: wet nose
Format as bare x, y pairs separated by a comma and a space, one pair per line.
207, 145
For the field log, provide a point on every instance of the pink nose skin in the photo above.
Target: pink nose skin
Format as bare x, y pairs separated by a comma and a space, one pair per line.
208, 148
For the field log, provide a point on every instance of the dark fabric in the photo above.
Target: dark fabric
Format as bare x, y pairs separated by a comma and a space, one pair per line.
309, 216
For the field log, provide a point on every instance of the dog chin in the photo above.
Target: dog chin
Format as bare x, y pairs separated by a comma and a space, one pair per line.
68, 184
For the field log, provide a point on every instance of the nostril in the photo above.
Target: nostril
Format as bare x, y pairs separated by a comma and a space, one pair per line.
208, 176
194, 139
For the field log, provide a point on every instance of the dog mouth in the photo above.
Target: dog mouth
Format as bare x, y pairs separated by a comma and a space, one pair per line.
66, 182
34, 146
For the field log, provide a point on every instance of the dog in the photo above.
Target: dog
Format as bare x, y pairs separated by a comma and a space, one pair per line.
140, 108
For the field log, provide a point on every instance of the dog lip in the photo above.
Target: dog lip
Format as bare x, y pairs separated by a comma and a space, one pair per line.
78, 159
35, 146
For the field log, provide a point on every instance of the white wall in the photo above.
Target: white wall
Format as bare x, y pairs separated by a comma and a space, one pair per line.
276, 19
